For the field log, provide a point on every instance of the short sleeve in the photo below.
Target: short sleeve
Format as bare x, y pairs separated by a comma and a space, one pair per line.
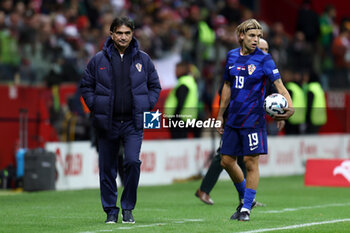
227, 76
270, 69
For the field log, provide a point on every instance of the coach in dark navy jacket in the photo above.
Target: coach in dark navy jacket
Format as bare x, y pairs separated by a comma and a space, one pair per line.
118, 85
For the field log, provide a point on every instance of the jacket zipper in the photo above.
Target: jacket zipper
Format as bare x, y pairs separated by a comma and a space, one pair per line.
122, 99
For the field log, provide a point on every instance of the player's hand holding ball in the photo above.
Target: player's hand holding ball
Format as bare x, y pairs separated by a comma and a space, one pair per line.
276, 106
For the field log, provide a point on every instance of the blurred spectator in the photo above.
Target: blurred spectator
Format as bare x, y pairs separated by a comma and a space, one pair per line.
316, 114
93, 13
327, 26
226, 39
232, 11
9, 55
295, 124
279, 45
341, 54
328, 30
77, 123
6, 6
36, 49
308, 22
203, 37
182, 102
300, 53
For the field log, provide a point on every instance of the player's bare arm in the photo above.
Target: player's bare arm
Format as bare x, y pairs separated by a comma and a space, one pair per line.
288, 112
225, 100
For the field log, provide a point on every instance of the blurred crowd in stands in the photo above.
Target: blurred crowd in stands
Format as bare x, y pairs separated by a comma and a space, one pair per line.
50, 41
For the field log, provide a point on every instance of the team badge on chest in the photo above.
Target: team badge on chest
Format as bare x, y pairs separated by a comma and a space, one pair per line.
139, 67
251, 69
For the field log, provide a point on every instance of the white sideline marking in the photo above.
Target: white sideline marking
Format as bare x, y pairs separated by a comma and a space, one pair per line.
303, 208
297, 226
140, 226
146, 225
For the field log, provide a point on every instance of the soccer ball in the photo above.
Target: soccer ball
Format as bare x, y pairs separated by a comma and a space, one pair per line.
274, 104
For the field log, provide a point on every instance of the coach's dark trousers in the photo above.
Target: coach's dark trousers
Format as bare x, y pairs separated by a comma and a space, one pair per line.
108, 147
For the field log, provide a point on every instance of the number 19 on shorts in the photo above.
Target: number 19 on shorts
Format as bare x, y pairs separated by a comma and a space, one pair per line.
253, 139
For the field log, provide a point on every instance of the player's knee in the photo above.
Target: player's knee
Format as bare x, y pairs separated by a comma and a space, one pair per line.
251, 163
226, 162
223, 164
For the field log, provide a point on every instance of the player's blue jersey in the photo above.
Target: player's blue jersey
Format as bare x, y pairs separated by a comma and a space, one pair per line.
248, 75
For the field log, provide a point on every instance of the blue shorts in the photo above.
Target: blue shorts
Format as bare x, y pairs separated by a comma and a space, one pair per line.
239, 142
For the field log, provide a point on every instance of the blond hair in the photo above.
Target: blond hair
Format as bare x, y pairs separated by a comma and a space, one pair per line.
246, 26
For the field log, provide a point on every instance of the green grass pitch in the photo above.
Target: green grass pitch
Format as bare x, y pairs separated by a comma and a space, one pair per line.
290, 207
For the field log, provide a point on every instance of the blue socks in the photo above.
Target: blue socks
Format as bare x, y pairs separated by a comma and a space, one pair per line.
240, 188
249, 196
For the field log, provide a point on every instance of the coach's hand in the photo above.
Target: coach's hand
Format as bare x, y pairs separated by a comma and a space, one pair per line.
221, 128
288, 112
280, 124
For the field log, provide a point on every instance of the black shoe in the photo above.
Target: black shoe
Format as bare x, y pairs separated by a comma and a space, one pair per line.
127, 217
111, 219
238, 210
243, 216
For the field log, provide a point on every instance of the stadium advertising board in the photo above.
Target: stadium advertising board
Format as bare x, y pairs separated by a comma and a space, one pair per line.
327, 172
168, 161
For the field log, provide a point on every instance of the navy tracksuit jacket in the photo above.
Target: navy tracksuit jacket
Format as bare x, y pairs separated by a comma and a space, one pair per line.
117, 93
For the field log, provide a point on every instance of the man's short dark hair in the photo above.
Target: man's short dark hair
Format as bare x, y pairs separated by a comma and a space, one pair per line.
120, 21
